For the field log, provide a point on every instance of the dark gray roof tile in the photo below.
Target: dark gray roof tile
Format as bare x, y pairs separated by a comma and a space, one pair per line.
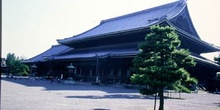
131, 21
54, 50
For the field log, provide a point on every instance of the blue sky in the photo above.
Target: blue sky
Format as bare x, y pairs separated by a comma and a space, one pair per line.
29, 27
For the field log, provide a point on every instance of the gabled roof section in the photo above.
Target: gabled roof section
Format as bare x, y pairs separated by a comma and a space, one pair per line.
119, 51
182, 21
125, 50
129, 22
48, 54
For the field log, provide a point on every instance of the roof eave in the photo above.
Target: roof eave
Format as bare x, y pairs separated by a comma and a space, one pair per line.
207, 62
106, 35
212, 47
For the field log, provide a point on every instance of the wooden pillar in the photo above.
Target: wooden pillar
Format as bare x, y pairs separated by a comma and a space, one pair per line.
90, 72
97, 65
111, 73
119, 75
97, 69
128, 76
80, 71
119, 72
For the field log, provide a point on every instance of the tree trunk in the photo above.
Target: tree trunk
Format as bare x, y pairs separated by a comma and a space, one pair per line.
155, 101
161, 107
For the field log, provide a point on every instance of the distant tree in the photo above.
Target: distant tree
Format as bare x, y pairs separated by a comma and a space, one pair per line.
15, 65
161, 64
217, 59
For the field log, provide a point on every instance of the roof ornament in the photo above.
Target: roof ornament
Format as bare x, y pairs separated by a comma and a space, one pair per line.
154, 19
159, 18
163, 17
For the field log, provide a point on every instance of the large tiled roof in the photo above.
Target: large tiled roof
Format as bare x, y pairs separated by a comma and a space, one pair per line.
119, 51
175, 14
125, 50
133, 21
48, 54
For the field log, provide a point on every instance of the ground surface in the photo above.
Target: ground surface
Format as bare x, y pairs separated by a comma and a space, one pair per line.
24, 94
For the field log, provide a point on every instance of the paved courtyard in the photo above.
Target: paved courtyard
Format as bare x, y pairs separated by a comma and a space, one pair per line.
24, 94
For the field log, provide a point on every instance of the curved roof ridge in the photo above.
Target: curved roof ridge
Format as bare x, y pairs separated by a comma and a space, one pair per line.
130, 21
183, 3
175, 3
58, 40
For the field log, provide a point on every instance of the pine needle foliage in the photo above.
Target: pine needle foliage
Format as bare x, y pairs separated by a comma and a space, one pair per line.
162, 64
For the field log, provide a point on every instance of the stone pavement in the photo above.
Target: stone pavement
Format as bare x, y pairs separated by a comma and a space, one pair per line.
24, 94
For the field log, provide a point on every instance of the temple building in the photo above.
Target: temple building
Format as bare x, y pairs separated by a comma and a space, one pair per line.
105, 52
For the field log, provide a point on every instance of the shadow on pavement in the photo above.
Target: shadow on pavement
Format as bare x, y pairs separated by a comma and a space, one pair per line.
61, 86
114, 96
100, 109
218, 104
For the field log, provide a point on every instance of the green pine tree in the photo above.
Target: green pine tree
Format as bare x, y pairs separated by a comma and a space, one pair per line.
15, 65
161, 64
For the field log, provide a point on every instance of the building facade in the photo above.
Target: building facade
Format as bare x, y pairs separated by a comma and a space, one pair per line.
105, 52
